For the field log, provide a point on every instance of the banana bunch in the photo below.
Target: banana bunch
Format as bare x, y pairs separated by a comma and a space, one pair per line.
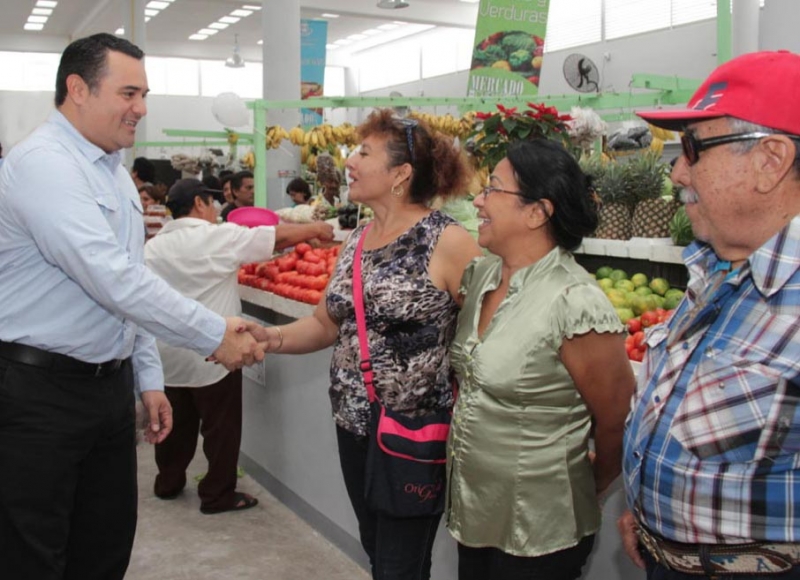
275, 135
657, 145
662, 134
296, 135
447, 124
317, 137
249, 160
345, 134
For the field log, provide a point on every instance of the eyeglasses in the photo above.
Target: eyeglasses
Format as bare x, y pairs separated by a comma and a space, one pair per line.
692, 146
409, 125
489, 189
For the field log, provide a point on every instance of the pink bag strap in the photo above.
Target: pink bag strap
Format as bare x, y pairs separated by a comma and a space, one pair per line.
361, 321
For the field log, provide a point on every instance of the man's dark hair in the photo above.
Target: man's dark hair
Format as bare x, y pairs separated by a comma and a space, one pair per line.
184, 207
86, 57
238, 179
225, 173
145, 169
213, 182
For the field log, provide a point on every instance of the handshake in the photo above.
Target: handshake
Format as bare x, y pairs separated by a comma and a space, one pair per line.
243, 344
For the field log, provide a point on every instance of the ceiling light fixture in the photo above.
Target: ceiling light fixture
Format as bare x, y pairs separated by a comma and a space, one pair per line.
235, 60
198, 37
42, 11
329, 15
229, 19
392, 4
218, 25
155, 4
47, 4
37, 19
251, 7
33, 26
241, 13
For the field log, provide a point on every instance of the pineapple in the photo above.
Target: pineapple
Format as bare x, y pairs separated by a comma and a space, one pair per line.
609, 178
647, 186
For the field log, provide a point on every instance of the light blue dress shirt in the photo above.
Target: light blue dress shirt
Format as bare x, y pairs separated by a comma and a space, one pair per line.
72, 274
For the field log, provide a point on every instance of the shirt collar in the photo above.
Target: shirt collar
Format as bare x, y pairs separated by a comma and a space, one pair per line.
771, 265
88, 149
182, 223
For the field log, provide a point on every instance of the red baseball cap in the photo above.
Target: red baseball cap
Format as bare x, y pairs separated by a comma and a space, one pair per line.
759, 87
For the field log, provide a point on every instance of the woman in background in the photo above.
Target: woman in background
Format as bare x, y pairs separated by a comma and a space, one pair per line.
299, 191
540, 355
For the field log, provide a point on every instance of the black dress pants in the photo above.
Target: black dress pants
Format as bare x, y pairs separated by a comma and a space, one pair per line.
68, 491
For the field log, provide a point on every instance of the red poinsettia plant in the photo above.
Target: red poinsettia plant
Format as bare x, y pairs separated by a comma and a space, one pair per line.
493, 132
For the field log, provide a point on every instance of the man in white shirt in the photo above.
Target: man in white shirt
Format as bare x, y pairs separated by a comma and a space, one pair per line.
201, 260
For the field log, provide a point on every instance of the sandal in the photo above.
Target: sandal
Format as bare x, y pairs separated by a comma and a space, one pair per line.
241, 501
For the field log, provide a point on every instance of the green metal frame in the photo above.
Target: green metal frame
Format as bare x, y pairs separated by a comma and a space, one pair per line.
655, 91
208, 140
670, 91
724, 31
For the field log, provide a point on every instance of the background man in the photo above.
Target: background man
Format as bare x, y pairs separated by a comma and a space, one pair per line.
712, 449
201, 260
242, 191
79, 307
143, 171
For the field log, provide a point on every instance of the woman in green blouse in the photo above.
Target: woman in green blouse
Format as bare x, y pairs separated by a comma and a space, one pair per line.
540, 355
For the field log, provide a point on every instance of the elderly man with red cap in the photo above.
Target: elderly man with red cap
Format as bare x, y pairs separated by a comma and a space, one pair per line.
712, 444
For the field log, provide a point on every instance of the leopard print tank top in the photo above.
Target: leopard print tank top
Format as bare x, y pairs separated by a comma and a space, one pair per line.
410, 324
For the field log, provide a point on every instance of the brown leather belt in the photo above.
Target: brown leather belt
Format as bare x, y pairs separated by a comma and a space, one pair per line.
55, 362
720, 559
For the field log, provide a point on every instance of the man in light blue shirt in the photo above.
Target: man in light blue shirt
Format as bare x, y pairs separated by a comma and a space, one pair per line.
78, 321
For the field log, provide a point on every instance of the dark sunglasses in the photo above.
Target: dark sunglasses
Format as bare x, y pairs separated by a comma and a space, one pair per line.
409, 125
692, 146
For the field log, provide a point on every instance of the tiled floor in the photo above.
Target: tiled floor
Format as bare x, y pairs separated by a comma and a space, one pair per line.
175, 541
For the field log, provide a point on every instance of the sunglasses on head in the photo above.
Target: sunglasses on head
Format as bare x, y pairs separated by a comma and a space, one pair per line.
409, 125
692, 146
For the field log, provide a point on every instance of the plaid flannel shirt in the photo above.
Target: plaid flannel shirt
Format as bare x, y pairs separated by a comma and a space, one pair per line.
712, 443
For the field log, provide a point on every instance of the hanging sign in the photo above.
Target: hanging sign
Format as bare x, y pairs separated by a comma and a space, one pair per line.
313, 40
509, 48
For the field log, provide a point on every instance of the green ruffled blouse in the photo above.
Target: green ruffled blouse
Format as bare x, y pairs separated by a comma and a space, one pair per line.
519, 478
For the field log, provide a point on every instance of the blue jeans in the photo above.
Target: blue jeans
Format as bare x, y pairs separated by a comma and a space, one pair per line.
658, 572
398, 548
494, 564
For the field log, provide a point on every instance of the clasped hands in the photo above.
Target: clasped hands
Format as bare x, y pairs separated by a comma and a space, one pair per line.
244, 343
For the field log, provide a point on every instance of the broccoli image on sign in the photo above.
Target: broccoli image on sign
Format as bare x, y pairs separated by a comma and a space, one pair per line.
515, 51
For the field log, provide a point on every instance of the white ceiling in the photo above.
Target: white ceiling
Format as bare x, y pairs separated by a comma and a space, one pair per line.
167, 33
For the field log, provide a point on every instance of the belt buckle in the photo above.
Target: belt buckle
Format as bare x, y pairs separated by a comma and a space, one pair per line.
107, 367
652, 546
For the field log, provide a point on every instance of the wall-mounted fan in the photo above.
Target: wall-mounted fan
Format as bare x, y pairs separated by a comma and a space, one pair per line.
581, 73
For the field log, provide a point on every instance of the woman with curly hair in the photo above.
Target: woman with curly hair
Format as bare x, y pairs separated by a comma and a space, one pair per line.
412, 263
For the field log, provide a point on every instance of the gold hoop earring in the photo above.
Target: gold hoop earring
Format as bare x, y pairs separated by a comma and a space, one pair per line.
397, 190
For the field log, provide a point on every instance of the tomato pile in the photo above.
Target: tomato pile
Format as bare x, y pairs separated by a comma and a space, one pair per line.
635, 345
299, 275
